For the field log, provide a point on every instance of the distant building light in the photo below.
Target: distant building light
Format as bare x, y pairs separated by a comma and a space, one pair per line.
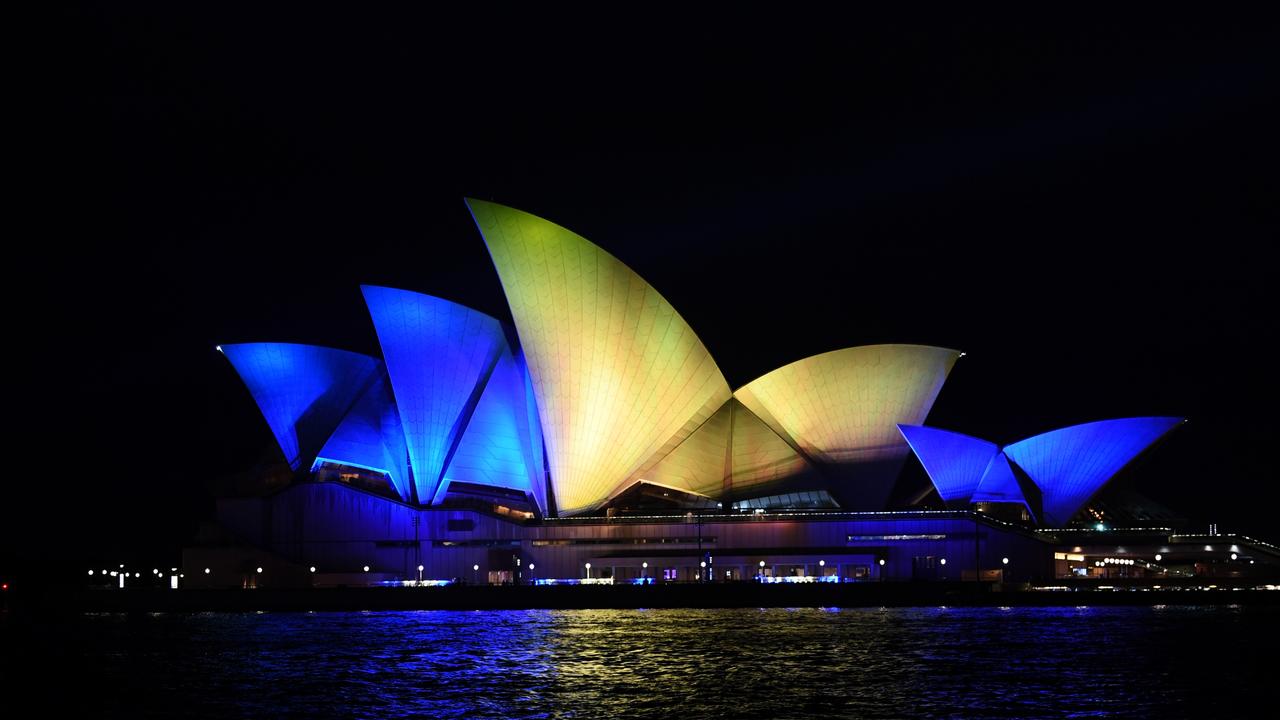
91, 572
1100, 526
1233, 556
114, 573
1004, 561
313, 568
259, 571
1159, 557
882, 561
943, 561
206, 571
477, 567
366, 568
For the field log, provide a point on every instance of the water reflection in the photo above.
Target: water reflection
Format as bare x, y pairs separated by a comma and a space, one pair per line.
764, 663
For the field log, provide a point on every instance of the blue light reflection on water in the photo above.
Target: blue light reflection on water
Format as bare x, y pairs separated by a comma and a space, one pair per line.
935, 662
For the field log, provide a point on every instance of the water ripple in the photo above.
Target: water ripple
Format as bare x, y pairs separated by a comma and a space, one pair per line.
756, 663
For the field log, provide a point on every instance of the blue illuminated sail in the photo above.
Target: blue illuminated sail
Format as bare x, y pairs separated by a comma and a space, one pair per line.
303, 391
439, 355
370, 437
495, 448
1070, 465
955, 462
998, 483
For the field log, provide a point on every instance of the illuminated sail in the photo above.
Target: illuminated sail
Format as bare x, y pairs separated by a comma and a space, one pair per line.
617, 373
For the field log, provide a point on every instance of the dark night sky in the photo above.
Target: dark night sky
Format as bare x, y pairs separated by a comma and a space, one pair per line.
1088, 210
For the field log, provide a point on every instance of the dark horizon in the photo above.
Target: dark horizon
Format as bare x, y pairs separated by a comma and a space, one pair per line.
1087, 212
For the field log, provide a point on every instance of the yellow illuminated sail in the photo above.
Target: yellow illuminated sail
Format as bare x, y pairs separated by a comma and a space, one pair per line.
843, 408
733, 454
617, 373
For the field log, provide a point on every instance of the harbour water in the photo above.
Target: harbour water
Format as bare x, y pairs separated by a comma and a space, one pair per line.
1162, 661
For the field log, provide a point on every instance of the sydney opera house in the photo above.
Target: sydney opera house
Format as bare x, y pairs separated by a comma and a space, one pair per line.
596, 440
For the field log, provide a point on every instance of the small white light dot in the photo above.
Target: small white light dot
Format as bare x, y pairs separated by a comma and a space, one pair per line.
366, 568
259, 570
206, 571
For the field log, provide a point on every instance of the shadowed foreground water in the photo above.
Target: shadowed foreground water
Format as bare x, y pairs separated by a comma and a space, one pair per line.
768, 663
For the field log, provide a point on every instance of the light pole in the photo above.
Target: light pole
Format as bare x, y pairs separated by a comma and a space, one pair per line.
644, 568
533, 580
881, 569
475, 574
702, 575
761, 573
588, 571
420, 569
822, 569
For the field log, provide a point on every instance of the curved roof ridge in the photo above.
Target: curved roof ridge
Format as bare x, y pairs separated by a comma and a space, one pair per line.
959, 354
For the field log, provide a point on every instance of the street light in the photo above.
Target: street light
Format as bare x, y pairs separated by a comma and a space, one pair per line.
943, 561
474, 570
1004, 561
312, 568
702, 575
1159, 557
206, 571
259, 571
1233, 556
644, 567
420, 569
366, 568
588, 571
